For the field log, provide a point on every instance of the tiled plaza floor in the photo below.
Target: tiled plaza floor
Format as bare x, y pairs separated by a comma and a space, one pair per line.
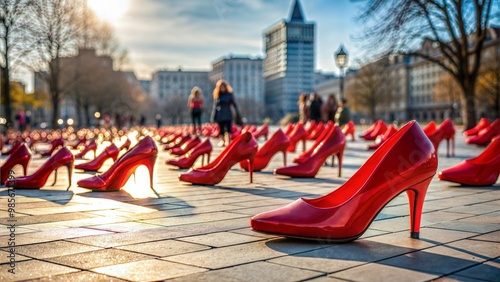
201, 233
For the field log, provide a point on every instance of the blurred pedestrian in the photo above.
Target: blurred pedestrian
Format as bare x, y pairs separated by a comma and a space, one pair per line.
314, 107
343, 114
158, 120
143, 120
303, 108
196, 105
329, 109
221, 113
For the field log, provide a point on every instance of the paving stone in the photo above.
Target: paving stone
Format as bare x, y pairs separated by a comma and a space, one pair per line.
4, 256
98, 258
164, 248
258, 271
487, 271
221, 239
475, 209
53, 249
492, 237
232, 255
126, 226
32, 269
380, 272
189, 219
81, 276
148, 270
51, 235
48, 218
476, 227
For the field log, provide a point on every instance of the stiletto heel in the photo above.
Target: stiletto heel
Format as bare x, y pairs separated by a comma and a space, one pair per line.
445, 130
304, 156
150, 164
202, 159
55, 144
94, 165
188, 159
63, 157
340, 155
70, 174
118, 174
250, 168
416, 197
21, 155
92, 146
407, 161
284, 157
208, 157
278, 142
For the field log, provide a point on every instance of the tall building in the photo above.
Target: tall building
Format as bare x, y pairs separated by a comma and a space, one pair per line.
289, 62
174, 83
244, 74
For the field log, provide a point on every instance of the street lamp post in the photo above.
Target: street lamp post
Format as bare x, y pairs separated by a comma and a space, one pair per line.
341, 60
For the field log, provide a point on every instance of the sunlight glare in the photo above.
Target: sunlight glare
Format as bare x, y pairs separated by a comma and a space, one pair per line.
140, 189
109, 10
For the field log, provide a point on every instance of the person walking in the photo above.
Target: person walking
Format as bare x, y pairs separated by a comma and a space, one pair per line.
303, 108
329, 109
343, 114
315, 107
196, 105
221, 112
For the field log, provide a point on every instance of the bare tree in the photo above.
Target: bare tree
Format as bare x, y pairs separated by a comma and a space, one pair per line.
457, 29
176, 108
12, 43
54, 26
372, 88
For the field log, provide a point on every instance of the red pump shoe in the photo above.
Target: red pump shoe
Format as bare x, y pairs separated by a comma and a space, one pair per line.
261, 131
21, 156
306, 154
186, 147
94, 165
243, 147
188, 160
298, 133
380, 128
92, 146
445, 130
14, 147
484, 136
349, 129
56, 144
125, 146
143, 153
277, 143
429, 128
38, 179
482, 170
177, 142
391, 130
332, 145
405, 163
482, 124
78, 143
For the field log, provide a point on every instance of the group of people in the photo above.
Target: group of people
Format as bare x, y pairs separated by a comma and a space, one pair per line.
312, 107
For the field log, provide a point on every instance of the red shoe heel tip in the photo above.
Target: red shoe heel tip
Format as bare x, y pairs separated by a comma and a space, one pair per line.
415, 235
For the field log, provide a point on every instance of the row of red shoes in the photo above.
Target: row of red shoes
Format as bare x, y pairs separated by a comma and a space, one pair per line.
483, 133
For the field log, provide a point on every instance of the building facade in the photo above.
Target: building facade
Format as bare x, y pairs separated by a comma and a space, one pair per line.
289, 63
244, 74
179, 83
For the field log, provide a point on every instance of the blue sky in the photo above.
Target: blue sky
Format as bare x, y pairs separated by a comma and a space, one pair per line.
192, 34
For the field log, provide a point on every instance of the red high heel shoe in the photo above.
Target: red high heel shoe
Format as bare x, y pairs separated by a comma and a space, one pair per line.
298, 133
80, 142
38, 179
14, 147
482, 124
380, 128
94, 165
21, 156
56, 144
445, 130
243, 147
143, 153
349, 129
261, 131
406, 162
369, 130
333, 144
277, 143
126, 145
187, 160
485, 135
429, 128
316, 132
177, 142
92, 146
482, 170
391, 130
305, 155
186, 147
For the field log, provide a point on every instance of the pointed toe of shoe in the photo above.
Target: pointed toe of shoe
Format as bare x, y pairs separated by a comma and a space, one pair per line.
86, 166
91, 183
292, 171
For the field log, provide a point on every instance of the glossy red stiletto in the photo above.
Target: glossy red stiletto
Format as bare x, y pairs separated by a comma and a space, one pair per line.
405, 163
177, 142
305, 155
482, 124
143, 153
243, 147
63, 157
92, 146
56, 144
485, 135
21, 156
80, 142
391, 130
482, 170
188, 160
445, 130
261, 131
380, 128
94, 165
277, 143
369, 130
349, 129
317, 131
188, 145
298, 133
126, 145
332, 145
429, 128
14, 147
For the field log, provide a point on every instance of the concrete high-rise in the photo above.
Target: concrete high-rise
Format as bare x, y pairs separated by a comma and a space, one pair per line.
289, 62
